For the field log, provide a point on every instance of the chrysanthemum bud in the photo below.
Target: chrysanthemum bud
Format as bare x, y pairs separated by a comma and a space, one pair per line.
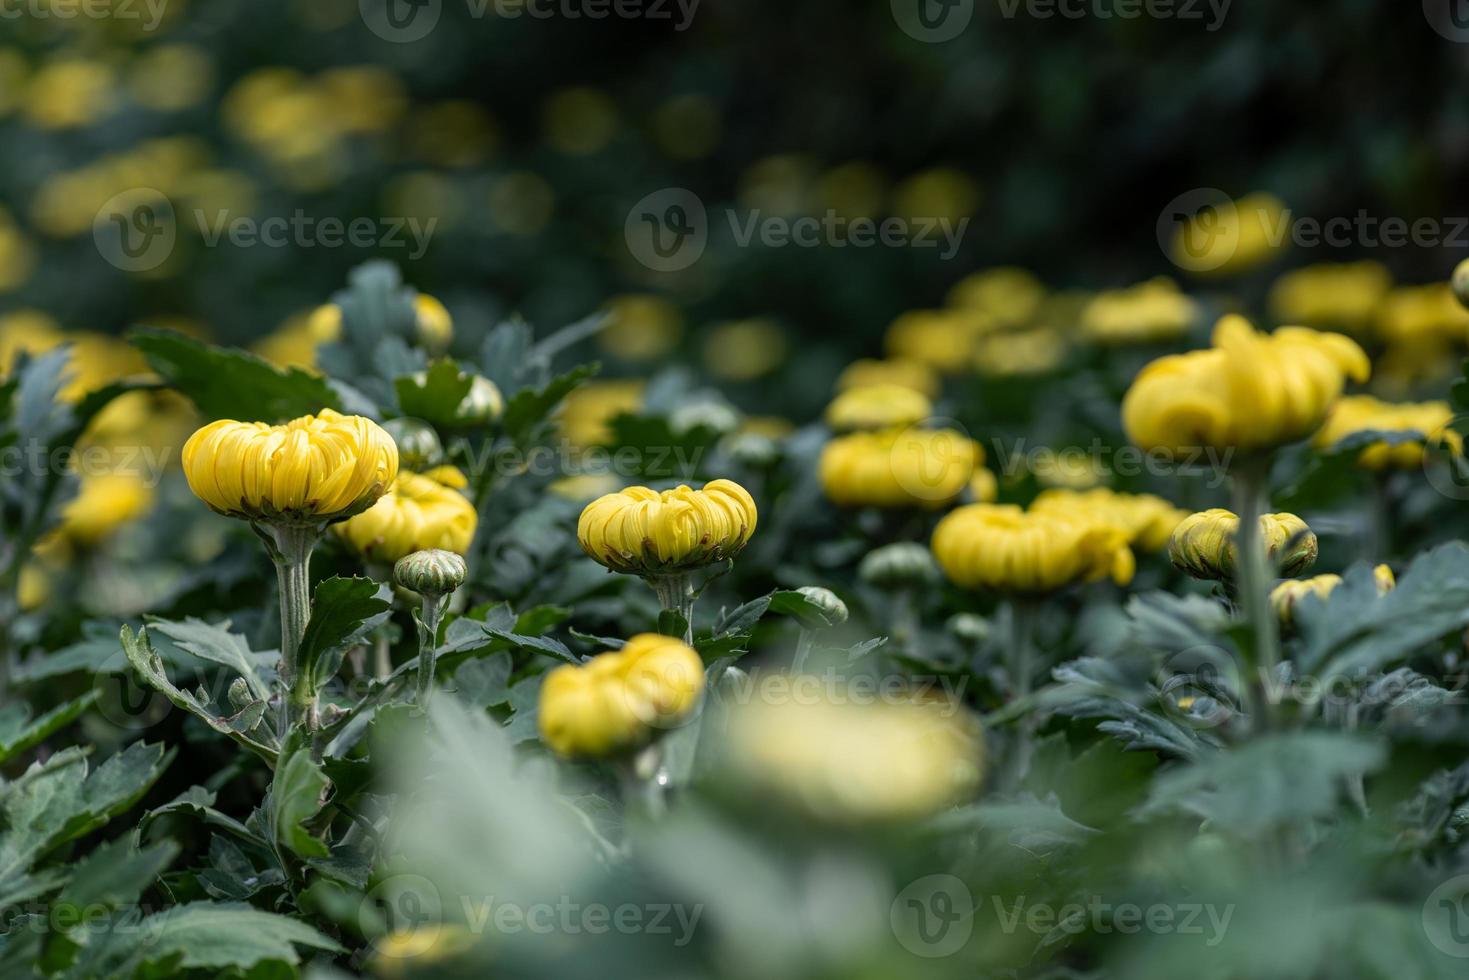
899, 566
431, 573
969, 627
418, 443
1204, 547
833, 609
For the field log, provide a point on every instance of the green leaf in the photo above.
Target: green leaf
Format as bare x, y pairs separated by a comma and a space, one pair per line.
529, 408
149, 667
19, 733
296, 795
537, 621
343, 611
214, 936
217, 645
1271, 781
435, 399
111, 877
233, 384
472, 636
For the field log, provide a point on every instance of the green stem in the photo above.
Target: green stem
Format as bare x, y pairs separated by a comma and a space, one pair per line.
428, 645
642, 793
292, 557
1021, 668
803, 650
676, 594
1254, 576
382, 654
905, 620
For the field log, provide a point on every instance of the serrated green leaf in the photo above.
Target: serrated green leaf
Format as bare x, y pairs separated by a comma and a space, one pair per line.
343, 611
18, 732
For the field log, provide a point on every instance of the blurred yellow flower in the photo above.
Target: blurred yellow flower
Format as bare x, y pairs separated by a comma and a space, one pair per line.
34, 588
1250, 391
13, 73
848, 762
941, 193
1066, 469
853, 190
1287, 595
1341, 296
898, 468
421, 512
910, 374
768, 426
17, 257
1423, 314
744, 350
171, 77
984, 487
618, 701
1010, 550
584, 487
884, 406
687, 127
70, 92
310, 471
640, 531
1147, 313
29, 332
587, 413
1020, 354
579, 121
406, 952
1010, 296
363, 98
1363, 413
1233, 237
643, 327
296, 342
1148, 520
1204, 547
104, 503
942, 339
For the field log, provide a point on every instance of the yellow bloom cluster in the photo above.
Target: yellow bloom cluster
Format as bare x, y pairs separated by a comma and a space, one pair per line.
104, 503
618, 701
643, 532
587, 413
883, 406
941, 339
1287, 595
1148, 520
1203, 545
910, 374
1363, 413
899, 468
1007, 549
422, 512
1150, 312
1423, 314
1340, 296
1249, 392
310, 471
1019, 354
1009, 296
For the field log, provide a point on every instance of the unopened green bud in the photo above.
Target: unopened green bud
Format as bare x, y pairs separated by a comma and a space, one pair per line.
833, 611
430, 573
418, 444
899, 566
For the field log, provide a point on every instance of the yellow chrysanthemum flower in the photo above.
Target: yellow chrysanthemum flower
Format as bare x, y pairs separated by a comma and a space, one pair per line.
910, 374
584, 487
1363, 413
1340, 296
618, 701
877, 407
642, 327
311, 471
941, 339
1249, 392
984, 487
422, 512
1204, 547
34, 588
1147, 313
899, 468
1010, 296
1148, 520
744, 350
1287, 595
104, 503
1423, 315
1028, 352
587, 412
1232, 238
857, 763
69, 93
1005, 548
643, 532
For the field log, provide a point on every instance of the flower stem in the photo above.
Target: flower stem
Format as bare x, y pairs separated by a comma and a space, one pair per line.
1021, 667
676, 594
428, 645
1254, 575
292, 557
642, 789
803, 650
